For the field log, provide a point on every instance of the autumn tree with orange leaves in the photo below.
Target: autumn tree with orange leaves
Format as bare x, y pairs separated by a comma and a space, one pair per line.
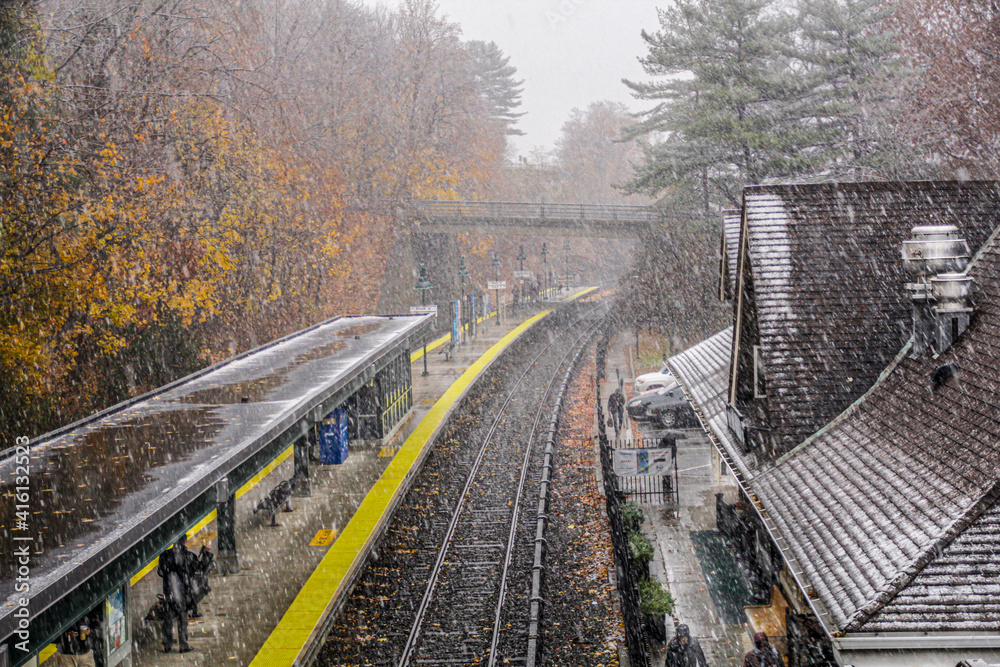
185, 179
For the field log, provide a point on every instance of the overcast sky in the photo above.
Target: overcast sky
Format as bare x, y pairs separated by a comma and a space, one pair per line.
569, 52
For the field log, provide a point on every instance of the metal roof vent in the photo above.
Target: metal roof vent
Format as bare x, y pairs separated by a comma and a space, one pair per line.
952, 292
934, 249
933, 258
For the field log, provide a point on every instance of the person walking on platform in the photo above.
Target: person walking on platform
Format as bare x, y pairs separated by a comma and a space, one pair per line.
763, 654
685, 651
175, 570
616, 406
74, 648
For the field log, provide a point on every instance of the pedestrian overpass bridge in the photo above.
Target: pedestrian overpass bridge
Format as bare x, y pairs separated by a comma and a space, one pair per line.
534, 219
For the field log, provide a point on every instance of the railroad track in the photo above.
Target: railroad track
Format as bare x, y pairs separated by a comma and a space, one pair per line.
450, 582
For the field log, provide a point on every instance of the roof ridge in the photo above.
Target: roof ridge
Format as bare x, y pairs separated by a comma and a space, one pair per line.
850, 409
870, 185
894, 586
982, 249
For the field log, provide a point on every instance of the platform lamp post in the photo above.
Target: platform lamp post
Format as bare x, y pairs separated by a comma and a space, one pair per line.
566, 251
545, 267
463, 273
496, 271
423, 284
520, 281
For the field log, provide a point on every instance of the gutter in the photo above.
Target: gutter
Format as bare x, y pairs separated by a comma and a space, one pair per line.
798, 574
923, 642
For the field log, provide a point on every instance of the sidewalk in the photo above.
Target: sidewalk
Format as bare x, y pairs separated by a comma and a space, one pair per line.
690, 559
243, 609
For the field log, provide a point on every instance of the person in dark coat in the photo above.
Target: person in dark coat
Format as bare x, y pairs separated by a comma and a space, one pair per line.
75, 647
199, 567
684, 650
175, 570
616, 406
763, 654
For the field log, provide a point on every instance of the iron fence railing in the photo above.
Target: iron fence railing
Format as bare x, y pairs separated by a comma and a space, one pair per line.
628, 578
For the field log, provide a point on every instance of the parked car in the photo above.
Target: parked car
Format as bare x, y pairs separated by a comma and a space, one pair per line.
672, 410
637, 406
654, 380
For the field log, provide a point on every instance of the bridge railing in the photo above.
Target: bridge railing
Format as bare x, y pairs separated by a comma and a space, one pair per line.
534, 211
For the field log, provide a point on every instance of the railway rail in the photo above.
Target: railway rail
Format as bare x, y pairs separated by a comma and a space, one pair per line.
451, 582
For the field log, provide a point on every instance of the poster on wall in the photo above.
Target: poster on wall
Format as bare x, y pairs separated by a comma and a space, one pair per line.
116, 627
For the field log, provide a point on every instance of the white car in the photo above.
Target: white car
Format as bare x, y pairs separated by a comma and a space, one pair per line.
655, 380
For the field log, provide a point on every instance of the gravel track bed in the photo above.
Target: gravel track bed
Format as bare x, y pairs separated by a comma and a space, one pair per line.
376, 622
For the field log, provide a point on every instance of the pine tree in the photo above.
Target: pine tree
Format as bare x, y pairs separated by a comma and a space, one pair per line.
493, 77
726, 111
855, 79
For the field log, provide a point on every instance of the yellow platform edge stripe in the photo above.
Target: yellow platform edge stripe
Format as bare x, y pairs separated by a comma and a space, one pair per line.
438, 342
328, 580
582, 292
211, 516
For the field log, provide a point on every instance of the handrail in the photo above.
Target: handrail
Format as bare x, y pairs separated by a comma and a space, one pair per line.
541, 210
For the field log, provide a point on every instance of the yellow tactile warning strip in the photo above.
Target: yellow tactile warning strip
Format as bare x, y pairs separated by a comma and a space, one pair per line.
583, 292
345, 556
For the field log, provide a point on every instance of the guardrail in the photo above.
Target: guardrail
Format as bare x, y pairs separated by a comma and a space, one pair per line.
534, 211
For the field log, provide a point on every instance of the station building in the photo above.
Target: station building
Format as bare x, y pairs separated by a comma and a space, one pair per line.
853, 402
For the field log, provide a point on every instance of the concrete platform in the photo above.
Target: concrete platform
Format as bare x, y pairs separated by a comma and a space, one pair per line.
243, 610
676, 563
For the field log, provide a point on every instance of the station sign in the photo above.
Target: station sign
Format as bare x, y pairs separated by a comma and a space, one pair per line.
430, 309
496, 284
522, 274
635, 462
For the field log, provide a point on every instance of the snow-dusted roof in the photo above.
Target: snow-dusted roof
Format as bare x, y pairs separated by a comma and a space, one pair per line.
892, 508
703, 372
828, 285
890, 512
102, 484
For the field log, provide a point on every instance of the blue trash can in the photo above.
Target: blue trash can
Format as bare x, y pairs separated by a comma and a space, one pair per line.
333, 438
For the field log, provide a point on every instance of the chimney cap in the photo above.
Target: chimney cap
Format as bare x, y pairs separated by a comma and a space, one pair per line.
934, 249
943, 231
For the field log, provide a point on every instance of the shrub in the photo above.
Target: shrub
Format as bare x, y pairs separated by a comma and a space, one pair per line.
633, 516
654, 599
639, 547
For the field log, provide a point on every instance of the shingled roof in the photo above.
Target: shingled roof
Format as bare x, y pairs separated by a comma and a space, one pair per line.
828, 285
703, 372
892, 509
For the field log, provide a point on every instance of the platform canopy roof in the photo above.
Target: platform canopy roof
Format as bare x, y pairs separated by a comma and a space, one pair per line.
101, 487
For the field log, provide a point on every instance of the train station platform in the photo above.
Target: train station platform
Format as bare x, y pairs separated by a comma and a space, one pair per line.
291, 576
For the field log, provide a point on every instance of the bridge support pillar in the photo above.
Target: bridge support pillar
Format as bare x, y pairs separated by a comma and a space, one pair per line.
229, 562
301, 484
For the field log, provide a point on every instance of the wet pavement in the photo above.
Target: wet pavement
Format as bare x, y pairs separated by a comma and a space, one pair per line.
690, 560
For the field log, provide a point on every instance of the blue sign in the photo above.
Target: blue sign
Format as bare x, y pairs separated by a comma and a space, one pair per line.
455, 312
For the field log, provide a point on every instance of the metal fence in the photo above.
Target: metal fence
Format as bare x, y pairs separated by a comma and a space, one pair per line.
635, 632
650, 489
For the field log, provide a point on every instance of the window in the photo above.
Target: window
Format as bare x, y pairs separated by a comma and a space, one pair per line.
759, 386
